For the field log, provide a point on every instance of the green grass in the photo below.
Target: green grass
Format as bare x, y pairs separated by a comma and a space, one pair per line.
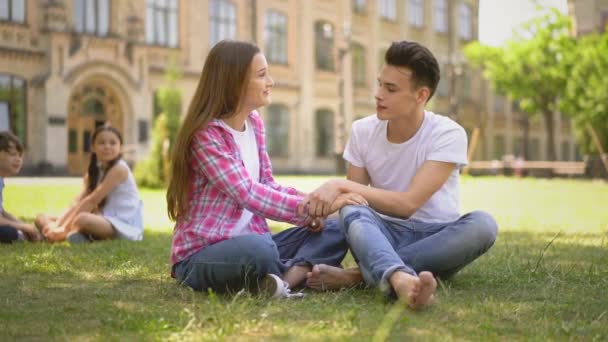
546, 278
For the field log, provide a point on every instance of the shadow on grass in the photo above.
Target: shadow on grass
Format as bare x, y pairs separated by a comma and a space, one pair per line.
526, 286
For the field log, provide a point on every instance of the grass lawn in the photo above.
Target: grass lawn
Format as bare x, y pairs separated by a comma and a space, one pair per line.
545, 278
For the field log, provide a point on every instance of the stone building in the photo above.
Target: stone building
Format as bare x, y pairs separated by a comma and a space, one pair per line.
69, 65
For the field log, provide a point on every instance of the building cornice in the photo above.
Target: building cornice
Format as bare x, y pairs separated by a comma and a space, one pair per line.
20, 53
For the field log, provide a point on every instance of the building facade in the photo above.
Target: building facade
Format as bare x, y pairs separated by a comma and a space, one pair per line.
67, 66
588, 15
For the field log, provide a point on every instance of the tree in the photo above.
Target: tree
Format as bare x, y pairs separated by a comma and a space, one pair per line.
585, 98
153, 171
531, 68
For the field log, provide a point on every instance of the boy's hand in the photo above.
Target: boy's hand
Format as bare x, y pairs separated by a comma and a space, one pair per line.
319, 201
348, 198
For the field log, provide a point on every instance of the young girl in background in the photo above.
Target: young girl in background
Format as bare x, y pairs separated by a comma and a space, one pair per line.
222, 189
109, 206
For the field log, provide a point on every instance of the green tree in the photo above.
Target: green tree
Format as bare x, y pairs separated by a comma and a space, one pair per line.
585, 98
153, 170
531, 67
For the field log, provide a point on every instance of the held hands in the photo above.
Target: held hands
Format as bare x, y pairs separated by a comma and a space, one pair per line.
347, 198
53, 232
316, 224
318, 203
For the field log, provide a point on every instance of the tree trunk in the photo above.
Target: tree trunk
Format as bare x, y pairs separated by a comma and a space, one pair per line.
549, 126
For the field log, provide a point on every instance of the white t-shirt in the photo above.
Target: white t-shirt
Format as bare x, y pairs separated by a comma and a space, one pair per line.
249, 152
393, 166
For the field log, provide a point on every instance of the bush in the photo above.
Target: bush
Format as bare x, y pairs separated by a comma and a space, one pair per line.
153, 170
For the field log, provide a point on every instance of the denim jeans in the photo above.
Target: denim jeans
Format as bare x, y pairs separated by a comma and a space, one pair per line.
241, 262
382, 246
8, 234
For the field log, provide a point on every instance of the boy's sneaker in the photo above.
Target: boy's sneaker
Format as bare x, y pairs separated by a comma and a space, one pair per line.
274, 287
78, 238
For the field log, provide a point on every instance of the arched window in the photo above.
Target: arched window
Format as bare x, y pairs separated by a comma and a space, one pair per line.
92, 16
222, 21
324, 129
277, 130
324, 45
358, 53
12, 106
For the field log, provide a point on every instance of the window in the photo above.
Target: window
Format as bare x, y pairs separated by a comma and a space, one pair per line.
441, 16
12, 106
415, 10
156, 108
466, 85
359, 6
565, 150
443, 86
499, 147
12, 10
534, 149
518, 146
358, 53
324, 122
275, 37
142, 131
324, 45
222, 21
499, 104
387, 9
162, 23
277, 134
92, 16
381, 58
465, 22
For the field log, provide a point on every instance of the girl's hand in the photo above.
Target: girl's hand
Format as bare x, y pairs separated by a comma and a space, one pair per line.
31, 233
317, 224
54, 233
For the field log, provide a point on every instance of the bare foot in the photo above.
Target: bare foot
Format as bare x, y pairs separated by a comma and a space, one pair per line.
325, 277
416, 292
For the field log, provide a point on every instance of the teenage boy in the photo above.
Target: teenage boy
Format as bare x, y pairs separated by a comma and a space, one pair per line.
405, 161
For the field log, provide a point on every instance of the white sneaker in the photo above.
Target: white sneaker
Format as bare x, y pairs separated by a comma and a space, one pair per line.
275, 287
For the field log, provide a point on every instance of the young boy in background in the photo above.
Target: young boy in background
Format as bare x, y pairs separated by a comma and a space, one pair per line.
11, 160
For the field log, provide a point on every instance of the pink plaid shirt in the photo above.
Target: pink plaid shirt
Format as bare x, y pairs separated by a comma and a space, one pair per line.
220, 188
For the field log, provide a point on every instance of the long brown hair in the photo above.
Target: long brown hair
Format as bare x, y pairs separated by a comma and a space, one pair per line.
219, 94
93, 169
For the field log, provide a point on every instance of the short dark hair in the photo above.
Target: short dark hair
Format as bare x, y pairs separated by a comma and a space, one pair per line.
417, 58
8, 140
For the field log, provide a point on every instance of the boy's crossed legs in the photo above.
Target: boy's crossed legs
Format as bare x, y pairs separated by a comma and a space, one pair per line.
401, 256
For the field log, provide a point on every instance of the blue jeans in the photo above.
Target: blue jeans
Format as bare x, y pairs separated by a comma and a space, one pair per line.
241, 262
8, 234
383, 246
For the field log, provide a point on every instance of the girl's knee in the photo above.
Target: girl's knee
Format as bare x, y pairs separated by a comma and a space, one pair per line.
81, 222
259, 249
